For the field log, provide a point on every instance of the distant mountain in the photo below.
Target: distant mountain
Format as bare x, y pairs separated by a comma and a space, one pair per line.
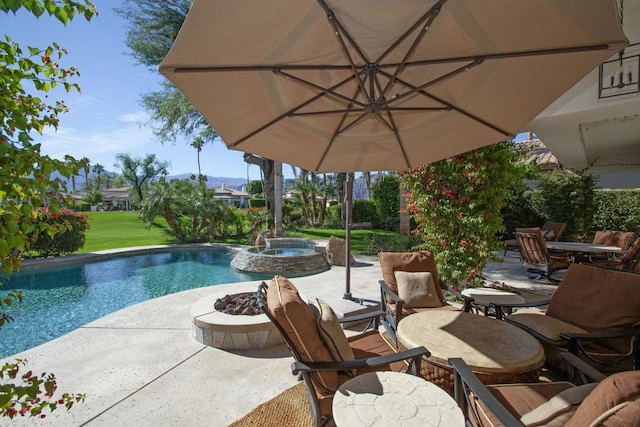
359, 186
216, 181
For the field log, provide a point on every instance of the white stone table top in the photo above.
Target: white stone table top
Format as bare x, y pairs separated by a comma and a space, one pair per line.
394, 399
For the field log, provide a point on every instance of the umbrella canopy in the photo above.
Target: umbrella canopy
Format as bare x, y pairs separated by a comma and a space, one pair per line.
359, 85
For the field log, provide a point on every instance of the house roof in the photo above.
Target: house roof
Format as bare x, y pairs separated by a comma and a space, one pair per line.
538, 153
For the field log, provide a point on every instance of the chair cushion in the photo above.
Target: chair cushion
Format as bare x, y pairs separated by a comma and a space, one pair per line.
390, 262
372, 344
332, 333
417, 289
518, 399
597, 299
559, 409
299, 324
614, 402
621, 239
547, 327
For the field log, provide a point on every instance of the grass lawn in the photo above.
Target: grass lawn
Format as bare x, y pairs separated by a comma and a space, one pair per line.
110, 230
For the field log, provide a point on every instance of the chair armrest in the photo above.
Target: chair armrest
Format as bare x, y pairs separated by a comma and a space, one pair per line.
360, 317
386, 290
465, 381
499, 307
413, 353
599, 335
586, 371
391, 319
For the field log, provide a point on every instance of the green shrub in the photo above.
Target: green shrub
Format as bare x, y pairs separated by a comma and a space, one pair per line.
257, 203
364, 211
334, 216
616, 210
568, 197
61, 233
379, 243
386, 197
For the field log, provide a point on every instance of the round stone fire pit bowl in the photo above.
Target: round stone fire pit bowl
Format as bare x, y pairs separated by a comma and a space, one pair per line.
231, 331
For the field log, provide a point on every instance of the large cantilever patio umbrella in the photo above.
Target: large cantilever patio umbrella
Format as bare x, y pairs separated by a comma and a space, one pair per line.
367, 85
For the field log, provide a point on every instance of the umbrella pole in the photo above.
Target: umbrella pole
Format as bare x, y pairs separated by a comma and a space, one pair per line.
347, 255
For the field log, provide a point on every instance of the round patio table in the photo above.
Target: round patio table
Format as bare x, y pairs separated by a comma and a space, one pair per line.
496, 351
391, 398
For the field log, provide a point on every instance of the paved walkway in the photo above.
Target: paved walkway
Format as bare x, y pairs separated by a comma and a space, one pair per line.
141, 366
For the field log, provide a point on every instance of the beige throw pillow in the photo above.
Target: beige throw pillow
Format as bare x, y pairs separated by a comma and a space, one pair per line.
417, 289
559, 409
332, 334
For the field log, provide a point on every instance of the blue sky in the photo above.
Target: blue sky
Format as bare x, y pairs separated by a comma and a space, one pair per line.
107, 118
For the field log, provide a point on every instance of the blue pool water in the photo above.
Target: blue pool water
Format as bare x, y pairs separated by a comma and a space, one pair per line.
59, 299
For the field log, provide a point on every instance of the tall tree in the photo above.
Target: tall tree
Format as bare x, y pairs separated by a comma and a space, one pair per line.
197, 144
140, 172
98, 169
151, 30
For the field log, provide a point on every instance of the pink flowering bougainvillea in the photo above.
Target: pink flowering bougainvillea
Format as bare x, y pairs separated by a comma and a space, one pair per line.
456, 204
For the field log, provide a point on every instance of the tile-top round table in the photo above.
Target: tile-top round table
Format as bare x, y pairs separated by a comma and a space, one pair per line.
391, 398
496, 351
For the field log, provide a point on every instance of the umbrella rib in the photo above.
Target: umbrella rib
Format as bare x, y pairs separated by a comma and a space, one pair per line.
505, 55
328, 112
415, 89
252, 68
399, 141
333, 20
290, 112
341, 33
452, 107
326, 91
429, 18
337, 131
435, 10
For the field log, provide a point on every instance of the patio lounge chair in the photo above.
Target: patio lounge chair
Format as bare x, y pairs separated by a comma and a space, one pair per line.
323, 356
551, 231
411, 285
629, 261
594, 313
609, 401
536, 256
621, 239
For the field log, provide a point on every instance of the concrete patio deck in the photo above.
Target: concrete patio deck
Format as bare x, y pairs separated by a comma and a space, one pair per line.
141, 366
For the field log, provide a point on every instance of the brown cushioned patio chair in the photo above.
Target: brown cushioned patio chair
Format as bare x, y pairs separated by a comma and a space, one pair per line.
603, 401
535, 255
594, 313
629, 261
621, 239
410, 285
323, 356
551, 232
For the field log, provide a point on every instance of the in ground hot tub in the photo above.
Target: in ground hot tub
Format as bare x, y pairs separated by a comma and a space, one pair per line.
284, 256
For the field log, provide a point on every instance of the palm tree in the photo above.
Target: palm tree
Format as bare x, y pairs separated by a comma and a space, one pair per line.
86, 168
98, 169
198, 143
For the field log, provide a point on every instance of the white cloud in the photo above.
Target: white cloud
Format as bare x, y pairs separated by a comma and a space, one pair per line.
137, 117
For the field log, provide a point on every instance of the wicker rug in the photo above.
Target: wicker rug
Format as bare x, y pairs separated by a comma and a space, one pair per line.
289, 408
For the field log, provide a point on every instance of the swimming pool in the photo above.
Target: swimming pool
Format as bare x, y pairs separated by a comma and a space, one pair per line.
61, 298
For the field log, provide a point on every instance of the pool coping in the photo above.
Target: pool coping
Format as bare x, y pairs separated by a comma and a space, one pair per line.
112, 253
